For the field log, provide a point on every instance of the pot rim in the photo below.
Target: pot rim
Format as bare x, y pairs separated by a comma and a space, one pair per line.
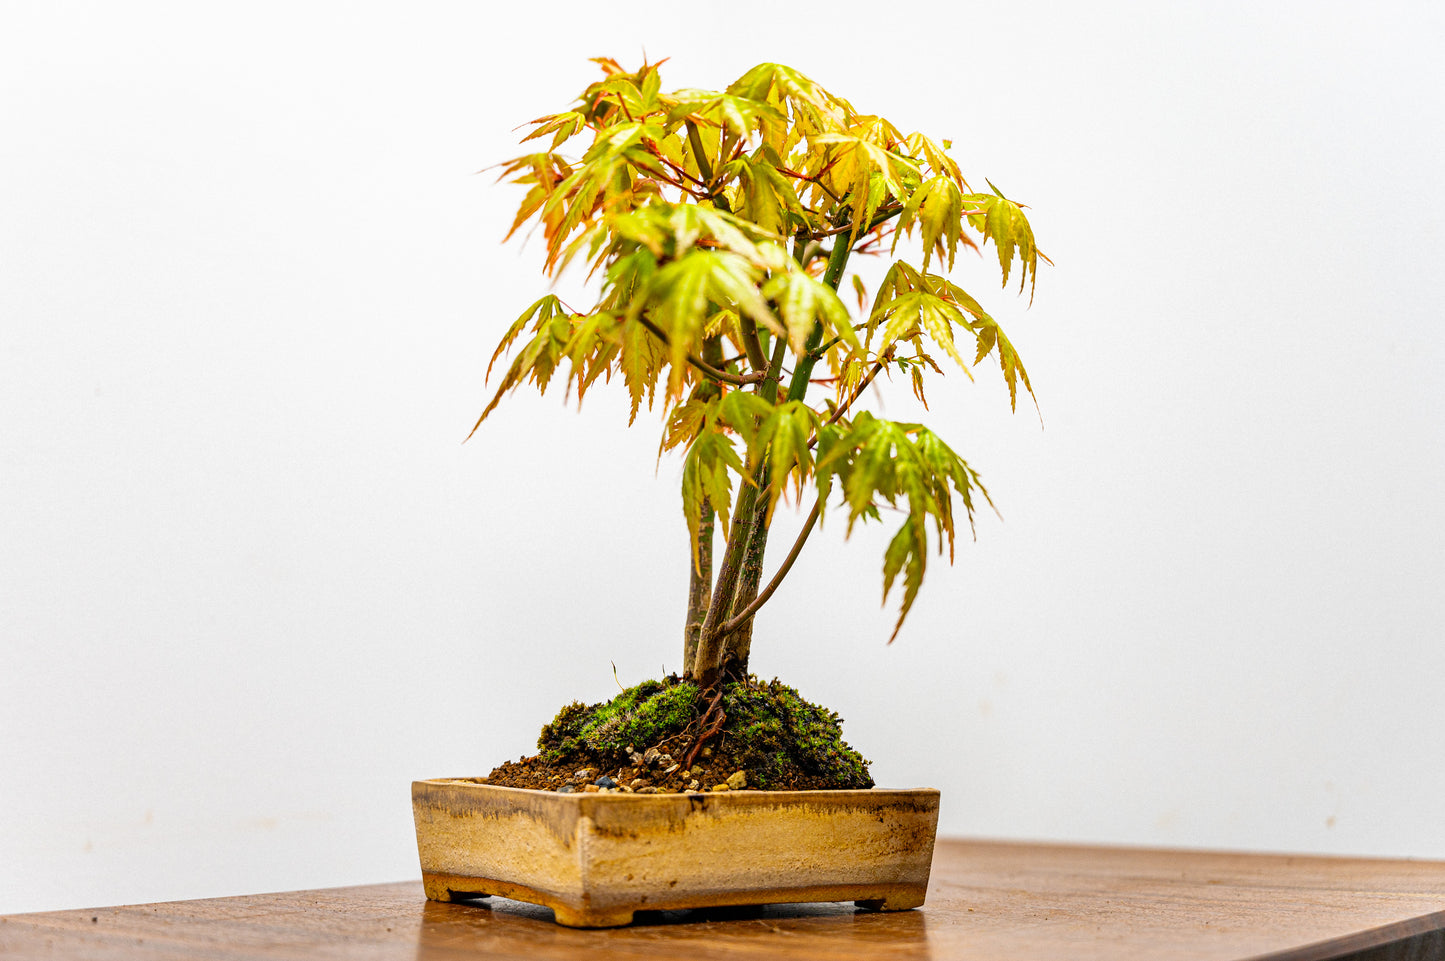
819, 795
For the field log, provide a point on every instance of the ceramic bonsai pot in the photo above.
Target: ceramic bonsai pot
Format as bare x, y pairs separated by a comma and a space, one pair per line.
595, 859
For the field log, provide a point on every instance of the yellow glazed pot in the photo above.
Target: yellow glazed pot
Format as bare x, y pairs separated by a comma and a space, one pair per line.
594, 859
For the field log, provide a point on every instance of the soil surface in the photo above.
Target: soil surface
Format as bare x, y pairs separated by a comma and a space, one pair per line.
669, 736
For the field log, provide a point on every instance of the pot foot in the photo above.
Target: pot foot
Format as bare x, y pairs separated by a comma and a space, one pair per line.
895, 902
439, 889
583, 918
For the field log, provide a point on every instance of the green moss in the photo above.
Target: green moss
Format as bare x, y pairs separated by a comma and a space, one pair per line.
778, 735
771, 732
638, 717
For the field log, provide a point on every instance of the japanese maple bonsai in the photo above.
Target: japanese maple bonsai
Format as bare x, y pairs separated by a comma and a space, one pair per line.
721, 228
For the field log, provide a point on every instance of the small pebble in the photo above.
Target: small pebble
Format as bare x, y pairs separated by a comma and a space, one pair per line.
647, 790
738, 780
566, 789
591, 789
625, 788
639, 782
674, 768
583, 774
693, 785
605, 781
650, 756
707, 752
720, 787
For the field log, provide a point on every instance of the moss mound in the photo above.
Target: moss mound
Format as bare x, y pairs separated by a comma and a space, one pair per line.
778, 739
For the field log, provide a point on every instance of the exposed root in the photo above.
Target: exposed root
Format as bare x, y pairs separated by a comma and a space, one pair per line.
710, 722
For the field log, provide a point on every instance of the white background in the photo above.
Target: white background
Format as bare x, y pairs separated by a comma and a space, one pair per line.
252, 582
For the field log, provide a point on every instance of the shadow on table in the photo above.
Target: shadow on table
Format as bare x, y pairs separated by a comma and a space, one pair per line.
501, 928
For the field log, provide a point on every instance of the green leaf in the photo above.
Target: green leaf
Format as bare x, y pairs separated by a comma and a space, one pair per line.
537, 358
685, 423
1003, 221
920, 309
563, 126
743, 411
907, 552
878, 462
937, 208
776, 84
803, 302
680, 297
705, 476
737, 115
991, 338
936, 157
592, 349
641, 357
781, 440
766, 197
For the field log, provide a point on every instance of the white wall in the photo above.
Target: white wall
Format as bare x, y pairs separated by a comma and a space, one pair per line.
252, 583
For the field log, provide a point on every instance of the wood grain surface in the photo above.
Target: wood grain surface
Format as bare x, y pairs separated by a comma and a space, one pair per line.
987, 900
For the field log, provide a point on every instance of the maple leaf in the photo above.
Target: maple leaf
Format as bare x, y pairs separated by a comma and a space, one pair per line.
767, 197
781, 442
706, 476
1003, 221
562, 126
804, 302
737, 115
805, 99
937, 208
908, 552
907, 306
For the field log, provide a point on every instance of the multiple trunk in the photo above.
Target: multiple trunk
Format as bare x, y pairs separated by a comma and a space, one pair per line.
715, 637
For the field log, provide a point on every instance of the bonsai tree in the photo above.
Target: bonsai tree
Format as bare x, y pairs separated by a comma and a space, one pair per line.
721, 227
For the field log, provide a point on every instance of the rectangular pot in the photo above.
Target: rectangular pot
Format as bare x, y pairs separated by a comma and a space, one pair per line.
594, 859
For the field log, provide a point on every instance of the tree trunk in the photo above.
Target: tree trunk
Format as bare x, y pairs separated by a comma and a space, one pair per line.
699, 589
738, 644
711, 649
699, 582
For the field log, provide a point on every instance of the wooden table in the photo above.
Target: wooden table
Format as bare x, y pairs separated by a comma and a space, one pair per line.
988, 901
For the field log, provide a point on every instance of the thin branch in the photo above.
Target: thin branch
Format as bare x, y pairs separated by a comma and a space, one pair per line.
720, 375
814, 179
680, 170
881, 217
857, 392
698, 193
748, 334
741, 617
773, 370
843, 407
694, 139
